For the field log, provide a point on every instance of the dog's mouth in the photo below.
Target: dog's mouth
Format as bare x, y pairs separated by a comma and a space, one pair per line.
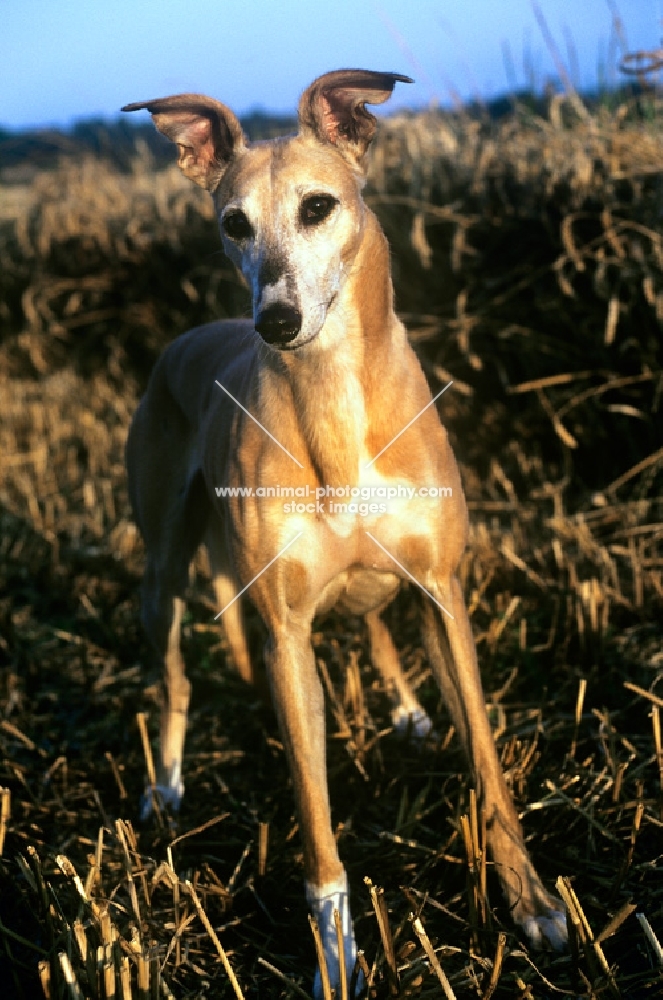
294, 346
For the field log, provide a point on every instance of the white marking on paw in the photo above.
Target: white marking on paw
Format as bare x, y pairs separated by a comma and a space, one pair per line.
167, 795
322, 901
420, 724
550, 930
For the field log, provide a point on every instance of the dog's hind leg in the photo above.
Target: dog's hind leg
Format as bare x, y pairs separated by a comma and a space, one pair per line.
226, 590
407, 715
171, 507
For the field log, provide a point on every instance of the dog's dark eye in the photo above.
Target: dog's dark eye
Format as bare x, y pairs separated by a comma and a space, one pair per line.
316, 208
237, 226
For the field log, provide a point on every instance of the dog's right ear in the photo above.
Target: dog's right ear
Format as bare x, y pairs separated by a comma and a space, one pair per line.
207, 134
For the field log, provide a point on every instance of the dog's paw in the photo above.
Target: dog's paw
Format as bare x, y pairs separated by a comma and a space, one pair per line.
323, 900
168, 797
547, 929
539, 914
415, 724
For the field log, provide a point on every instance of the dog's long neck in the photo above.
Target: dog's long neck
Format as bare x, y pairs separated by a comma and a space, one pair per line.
344, 393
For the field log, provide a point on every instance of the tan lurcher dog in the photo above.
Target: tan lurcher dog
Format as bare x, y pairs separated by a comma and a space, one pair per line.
305, 397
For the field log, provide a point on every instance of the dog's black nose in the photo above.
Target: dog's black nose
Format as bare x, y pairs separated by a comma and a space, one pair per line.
279, 324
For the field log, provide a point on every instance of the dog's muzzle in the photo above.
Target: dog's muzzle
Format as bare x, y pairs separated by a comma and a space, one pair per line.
278, 324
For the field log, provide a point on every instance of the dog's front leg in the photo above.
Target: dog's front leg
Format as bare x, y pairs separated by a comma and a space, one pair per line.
451, 650
299, 702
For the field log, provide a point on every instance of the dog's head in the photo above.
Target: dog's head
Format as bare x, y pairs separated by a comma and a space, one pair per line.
290, 210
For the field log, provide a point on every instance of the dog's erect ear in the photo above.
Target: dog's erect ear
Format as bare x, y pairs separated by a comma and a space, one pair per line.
207, 133
333, 108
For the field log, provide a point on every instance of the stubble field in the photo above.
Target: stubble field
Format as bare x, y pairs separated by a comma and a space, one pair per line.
528, 264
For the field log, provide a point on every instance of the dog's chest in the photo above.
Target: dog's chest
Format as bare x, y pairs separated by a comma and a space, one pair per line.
362, 538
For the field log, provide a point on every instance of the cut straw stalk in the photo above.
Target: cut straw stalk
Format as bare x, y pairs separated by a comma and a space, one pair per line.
649, 695
105, 960
382, 914
281, 975
217, 944
658, 748
651, 937
122, 834
44, 970
143, 967
616, 921
94, 874
596, 960
342, 972
580, 701
176, 906
322, 960
73, 989
432, 958
116, 774
497, 966
125, 977
141, 719
67, 868
106, 965
474, 839
5, 810
263, 842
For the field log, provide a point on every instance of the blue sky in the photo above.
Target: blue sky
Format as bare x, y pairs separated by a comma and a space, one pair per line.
62, 60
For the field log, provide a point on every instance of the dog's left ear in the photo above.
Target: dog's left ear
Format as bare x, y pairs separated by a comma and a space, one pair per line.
333, 108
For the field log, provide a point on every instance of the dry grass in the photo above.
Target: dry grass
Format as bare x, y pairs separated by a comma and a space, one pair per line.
529, 267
